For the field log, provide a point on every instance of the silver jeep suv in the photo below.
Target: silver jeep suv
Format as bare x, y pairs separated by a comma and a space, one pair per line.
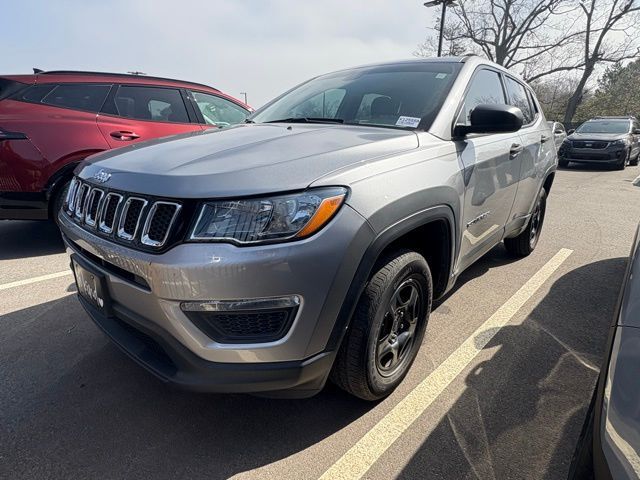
310, 242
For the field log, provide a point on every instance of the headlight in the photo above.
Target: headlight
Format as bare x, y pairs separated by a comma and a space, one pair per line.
269, 219
619, 143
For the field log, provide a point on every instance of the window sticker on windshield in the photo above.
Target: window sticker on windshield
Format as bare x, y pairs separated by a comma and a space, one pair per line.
408, 122
441, 75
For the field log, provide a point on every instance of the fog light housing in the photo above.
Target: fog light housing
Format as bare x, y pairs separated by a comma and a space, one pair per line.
257, 320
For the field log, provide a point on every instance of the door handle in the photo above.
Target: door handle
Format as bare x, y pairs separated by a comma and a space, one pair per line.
544, 138
516, 149
124, 135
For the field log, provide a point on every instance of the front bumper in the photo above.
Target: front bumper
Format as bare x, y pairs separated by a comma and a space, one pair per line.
147, 290
609, 155
160, 353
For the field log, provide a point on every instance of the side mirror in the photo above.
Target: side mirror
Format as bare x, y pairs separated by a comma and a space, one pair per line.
492, 118
636, 131
571, 131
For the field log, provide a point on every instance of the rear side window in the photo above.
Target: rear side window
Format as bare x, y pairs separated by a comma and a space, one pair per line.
518, 98
485, 88
151, 103
78, 96
35, 93
218, 111
7, 87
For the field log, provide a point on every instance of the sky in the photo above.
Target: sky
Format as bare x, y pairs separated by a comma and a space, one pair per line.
259, 47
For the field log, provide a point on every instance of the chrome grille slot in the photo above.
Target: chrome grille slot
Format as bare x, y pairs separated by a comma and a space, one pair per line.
159, 222
81, 200
108, 212
71, 194
94, 202
136, 220
130, 217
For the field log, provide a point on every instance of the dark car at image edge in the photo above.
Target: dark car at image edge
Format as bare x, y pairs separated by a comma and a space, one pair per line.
613, 141
51, 121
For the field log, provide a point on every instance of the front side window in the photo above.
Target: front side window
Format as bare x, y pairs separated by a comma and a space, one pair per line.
218, 111
78, 96
605, 126
518, 98
151, 103
400, 96
485, 88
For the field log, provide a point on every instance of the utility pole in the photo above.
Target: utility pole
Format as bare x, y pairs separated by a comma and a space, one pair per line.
245, 97
445, 4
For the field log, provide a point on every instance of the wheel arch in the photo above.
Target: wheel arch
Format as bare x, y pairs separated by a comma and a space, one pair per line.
404, 233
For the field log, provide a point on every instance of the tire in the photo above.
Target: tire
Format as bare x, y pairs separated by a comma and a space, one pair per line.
623, 163
562, 163
57, 200
525, 243
634, 162
379, 348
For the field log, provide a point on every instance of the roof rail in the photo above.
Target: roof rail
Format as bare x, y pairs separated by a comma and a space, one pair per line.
615, 117
129, 75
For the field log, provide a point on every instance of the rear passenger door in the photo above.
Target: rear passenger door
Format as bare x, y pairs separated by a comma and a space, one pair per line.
537, 154
60, 121
133, 113
491, 171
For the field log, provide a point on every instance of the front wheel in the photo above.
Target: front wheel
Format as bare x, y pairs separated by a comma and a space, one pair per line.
387, 327
526, 242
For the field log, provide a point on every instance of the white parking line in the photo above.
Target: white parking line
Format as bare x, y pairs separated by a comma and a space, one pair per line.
358, 459
28, 281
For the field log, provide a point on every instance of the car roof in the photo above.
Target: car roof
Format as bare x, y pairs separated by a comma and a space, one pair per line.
472, 60
76, 76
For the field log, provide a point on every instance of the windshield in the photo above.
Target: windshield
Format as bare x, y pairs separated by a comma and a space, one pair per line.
604, 126
400, 96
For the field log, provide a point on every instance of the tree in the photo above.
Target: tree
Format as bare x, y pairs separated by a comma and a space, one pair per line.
517, 34
546, 38
602, 23
617, 93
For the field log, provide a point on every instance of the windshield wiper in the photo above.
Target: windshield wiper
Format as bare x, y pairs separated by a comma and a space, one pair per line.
307, 120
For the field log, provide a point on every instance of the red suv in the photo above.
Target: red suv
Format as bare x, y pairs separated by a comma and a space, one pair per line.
50, 121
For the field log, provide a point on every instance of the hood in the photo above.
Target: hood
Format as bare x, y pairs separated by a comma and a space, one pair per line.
246, 159
598, 137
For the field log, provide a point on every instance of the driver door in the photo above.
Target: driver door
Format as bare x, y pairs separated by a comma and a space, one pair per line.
491, 170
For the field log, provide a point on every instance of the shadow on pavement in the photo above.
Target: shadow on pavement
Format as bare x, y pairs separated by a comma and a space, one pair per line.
73, 406
21, 239
521, 412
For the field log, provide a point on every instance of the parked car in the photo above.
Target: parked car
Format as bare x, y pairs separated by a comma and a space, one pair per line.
262, 257
603, 140
559, 133
609, 445
51, 121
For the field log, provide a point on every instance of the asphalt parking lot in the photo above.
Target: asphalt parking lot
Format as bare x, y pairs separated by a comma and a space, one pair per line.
499, 389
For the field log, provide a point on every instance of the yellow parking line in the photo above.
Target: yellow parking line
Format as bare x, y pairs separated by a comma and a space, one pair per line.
358, 459
28, 281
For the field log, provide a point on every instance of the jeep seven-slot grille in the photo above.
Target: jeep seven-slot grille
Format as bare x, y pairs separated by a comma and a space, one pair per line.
128, 218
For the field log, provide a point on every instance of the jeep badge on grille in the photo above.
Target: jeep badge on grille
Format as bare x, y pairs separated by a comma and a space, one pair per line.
101, 176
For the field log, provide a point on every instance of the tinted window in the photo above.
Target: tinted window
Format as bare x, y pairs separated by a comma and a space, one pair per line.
604, 126
218, 111
7, 87
485, 88
77, 95
518, 98
401, 95
151, 103
35, 93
